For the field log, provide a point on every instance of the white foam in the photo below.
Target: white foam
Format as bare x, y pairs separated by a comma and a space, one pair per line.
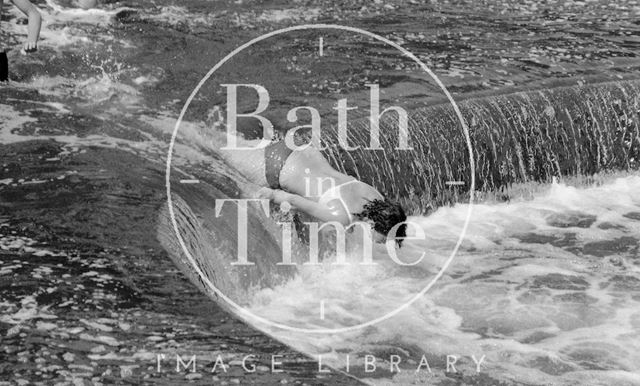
504, 286
62, 26
175, 15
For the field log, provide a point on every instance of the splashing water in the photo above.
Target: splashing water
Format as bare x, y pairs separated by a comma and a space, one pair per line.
546, 289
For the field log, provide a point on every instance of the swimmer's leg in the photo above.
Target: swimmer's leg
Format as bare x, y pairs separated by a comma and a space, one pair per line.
250, 163
262, 166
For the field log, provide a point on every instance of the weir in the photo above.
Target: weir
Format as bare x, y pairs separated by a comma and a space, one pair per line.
526, 136
521, 137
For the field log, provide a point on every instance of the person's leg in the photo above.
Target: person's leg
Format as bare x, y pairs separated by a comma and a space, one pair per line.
4, 67
250, 163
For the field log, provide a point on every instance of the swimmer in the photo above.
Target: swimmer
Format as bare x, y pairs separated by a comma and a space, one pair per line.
305, 180
31, 44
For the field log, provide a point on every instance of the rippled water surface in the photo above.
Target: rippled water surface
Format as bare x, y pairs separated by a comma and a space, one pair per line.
545, 286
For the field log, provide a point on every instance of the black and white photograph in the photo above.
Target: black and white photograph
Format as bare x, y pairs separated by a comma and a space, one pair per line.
355, 192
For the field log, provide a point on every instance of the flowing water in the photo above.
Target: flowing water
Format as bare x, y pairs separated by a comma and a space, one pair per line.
545, 285
545, 288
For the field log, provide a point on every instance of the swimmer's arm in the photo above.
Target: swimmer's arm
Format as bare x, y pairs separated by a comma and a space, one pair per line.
35, 21
316, 210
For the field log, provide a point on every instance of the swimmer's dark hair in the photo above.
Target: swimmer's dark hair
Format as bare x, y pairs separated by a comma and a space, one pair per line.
385, 214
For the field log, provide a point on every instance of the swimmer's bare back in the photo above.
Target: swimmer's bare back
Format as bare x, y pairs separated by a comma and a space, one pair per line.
309, 183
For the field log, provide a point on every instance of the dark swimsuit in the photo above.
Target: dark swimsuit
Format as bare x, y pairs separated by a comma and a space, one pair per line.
275, 155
